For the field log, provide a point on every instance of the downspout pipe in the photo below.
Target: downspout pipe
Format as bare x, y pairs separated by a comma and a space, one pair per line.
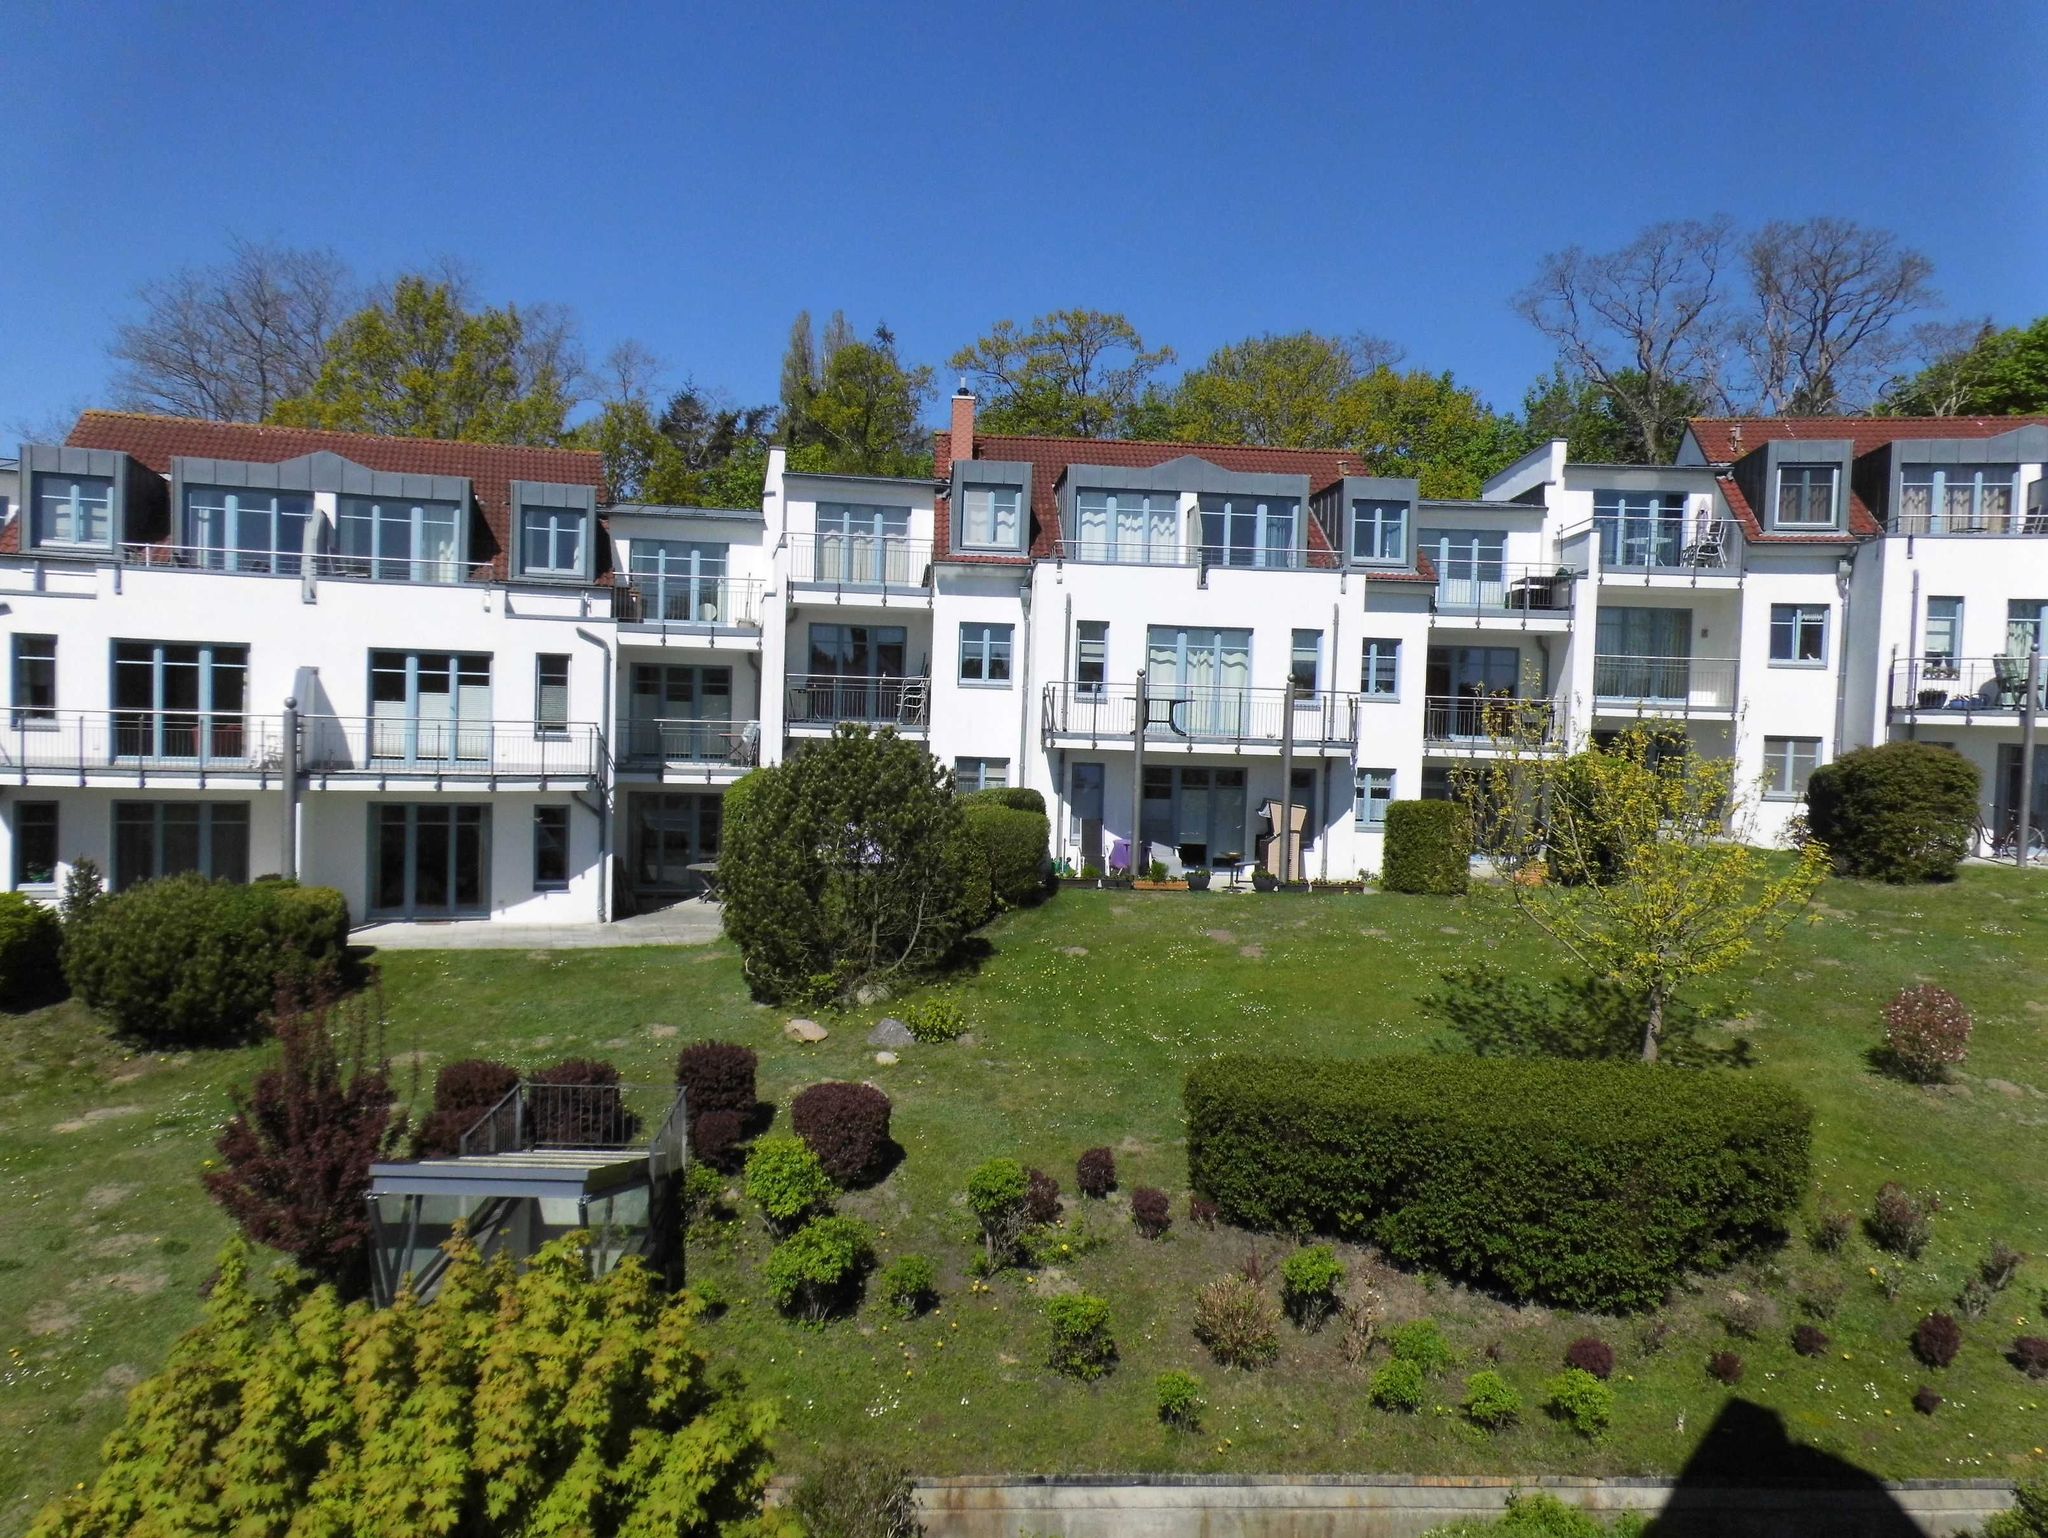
606, 778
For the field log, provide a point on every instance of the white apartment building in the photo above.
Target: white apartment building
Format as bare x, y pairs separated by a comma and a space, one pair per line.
450, 680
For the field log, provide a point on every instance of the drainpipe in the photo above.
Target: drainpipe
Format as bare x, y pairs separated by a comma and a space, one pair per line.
290, 728
1845, 572
605, 782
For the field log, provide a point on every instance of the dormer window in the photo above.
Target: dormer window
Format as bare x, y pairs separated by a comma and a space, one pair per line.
991, 518
1250, 531
1806, 496
1379, 533
75, 511
245, 529
1956, 499
552, 541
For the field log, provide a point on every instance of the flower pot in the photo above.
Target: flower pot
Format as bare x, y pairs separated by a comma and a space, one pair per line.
1198, 881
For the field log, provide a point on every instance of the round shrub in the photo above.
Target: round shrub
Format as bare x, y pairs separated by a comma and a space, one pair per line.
1926, 1033
463, 1092
717, 1076
1925, 1400
1311, 1282
1151, 1211
1238, 1322
1901, 1222
1399, 1386
1937, 1339
910, 1285
1078, 1343
1014, 844
1490, 1400
1041, 1198
1901, 812
937, 1018
1016, 797
31, 952
190, 961
999, 1197
2030, 1355
1725, 1367
1589, 1353
1428, 848
579, 1103
1581, 1400
847, 1126
816, 1271
1179, 1398
1095, 1173
1422, 1343
715, 1139
1831, 1229
786, 1181
1811, 1340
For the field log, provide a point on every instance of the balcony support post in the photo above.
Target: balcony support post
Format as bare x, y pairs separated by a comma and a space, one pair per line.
289, 780
2029, 713
1139, 711
1287, 783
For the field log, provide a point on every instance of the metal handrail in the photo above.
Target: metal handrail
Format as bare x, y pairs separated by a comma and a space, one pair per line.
1127, 552
717, 602
1496, 587
1197, 714
81, 741
1491, 718
883, 561
1962, 685
216, 559
450, 746
569, 1116
1687, 683
671, 740
815, 699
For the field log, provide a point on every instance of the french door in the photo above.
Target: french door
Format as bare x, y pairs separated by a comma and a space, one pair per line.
429, 860
863, 545
1643, 654
681, 712
857, 673
682, 581
179, 701
1469, 566
1206, 672
1460, 680
244, 530
430, 707
672, 831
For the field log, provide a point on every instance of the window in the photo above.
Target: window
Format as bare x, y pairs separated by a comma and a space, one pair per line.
1379, 532
551, 541
1956, 499
1249, 531
991, 517
1806, 496
168, 838
984, 654
2026, 625
981, 773
244, 530
867, 546
1640, 528
429, 860
1091, 656
35, 843
1799, 634
1306, 668
1469, 566
1379, 674
551, 692
1941, 636
72, 510
1788, 762
430, 707
682, 711
394, 540
1198, 813
550, 848
178, 700
683, 582
1131, 527
1375, 790
35, 679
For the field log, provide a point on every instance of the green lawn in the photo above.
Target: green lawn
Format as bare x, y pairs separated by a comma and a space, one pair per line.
1083, 1019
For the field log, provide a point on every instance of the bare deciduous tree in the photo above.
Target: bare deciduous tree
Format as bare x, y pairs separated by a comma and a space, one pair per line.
1646, 322
228, 341
1829, 296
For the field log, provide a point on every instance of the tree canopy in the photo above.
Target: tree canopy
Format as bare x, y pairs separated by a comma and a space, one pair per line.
1276, 391
852, 407
1996, 374
1070, 374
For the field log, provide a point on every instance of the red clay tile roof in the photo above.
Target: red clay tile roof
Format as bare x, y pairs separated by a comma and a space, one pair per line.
490, 467
1049, 458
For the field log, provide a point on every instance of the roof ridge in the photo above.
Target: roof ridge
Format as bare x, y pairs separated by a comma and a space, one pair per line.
465, 444
1176, 443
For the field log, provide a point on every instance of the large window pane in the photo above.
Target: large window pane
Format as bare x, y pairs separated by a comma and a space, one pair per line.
72, 510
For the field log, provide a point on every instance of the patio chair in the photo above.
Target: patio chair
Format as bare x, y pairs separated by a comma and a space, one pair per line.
1710, 550
2009, 679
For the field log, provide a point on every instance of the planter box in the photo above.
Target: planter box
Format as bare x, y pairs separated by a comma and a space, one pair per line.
1160, 886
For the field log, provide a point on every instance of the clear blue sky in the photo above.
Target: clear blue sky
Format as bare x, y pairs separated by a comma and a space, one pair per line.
692, 176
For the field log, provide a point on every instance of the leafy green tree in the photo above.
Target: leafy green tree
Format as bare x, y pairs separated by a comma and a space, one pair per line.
851, 407
1428, 426
548, 1401
1622, 856
1276, 391
1998, 374
698, 452
1587, 416
1071, 374
419, 364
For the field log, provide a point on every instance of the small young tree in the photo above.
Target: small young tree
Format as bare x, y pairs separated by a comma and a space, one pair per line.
1623, 856
295, 1157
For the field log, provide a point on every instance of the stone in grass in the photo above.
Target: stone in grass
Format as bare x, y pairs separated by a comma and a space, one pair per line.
890, 1032
805, 1030
886, 1059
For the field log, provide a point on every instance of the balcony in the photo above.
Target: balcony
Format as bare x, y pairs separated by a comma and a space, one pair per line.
824, 700
688, 603
1106, 715
1490, 724
1963, 689
1202, 558
136, 746
1517, 594
861, 563
1994, 517
702, 748
327, 565
1694, 549
380, 749
1667, 686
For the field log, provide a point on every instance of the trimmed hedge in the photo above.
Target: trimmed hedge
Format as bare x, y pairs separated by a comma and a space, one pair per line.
1014, 844
1015, 797
1902, 812
846, 1126
1592, 1185
31, 952
717, 1076
463, 1091
1428, 849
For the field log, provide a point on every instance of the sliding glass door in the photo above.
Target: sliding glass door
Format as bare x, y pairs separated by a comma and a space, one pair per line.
179, 701
864, 546
1643, 654
429, 860
430, 707
1206, 673
681, 713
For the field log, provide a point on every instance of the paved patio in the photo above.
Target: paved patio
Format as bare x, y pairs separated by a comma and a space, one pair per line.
695, 922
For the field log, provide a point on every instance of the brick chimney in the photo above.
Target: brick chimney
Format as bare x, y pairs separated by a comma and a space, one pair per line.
963, 422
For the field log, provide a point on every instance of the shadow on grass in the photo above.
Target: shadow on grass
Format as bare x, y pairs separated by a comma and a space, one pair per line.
1747, 1476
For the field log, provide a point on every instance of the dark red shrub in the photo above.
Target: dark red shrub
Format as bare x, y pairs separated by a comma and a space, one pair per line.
1810, 1340
2030, 1355
1201, 1211
1095, 1173
715, 1139
463, 1092
1589, 1353
1151, 1210
1925, 1400
578, 1103
1726, 1366
717, 1076
847, 1126
1041, 1197
1937, 1339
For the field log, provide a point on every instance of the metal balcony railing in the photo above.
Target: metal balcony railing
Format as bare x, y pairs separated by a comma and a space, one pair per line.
1128, 552
1494, 588
1689, 547
669, 740
450, 748
1995, 515
878, 561
186, 741
1673, 685
824, 699
1963, 686
1493, 721
210, 558
1108, 712
721, 602
574, 1116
